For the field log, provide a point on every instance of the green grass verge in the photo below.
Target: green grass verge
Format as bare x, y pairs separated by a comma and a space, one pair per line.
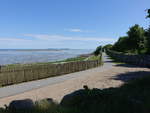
93, 57
133, 97
73, 59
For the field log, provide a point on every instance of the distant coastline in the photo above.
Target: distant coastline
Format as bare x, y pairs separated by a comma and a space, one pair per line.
49, 49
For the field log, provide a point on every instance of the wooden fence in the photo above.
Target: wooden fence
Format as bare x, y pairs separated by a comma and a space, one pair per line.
17, 74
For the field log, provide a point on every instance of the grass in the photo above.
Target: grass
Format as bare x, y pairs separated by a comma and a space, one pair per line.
133, 97
93, 57
74, 59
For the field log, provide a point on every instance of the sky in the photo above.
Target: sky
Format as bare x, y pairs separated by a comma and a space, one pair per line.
76, 24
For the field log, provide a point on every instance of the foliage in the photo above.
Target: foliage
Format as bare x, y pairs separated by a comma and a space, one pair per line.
98, 51
108, 46
121, 44
148, 13
137, 39
148, 33
134, 42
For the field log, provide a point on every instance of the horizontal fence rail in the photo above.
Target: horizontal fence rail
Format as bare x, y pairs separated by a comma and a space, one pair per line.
17, 74
139, 60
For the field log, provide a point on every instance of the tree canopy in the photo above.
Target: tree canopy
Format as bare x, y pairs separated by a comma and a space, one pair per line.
121, 44
137, 40
148, 11
134, 42
108, 46
148, 33
98, 50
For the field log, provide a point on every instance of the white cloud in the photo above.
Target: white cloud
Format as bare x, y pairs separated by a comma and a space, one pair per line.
47, 41
61, 37
56, 38
5, 39
77, 30
74, 30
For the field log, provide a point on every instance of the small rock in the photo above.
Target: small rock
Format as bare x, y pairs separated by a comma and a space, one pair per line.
21, 104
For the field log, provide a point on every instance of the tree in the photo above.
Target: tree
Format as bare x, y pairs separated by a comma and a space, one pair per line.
98, 51
121, 44
148, 33
148, 12
135, 42
137, 39
108, 46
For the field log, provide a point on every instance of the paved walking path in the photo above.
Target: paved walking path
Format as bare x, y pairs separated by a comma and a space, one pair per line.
108, 75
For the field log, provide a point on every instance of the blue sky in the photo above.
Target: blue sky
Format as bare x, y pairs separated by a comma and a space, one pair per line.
77, 24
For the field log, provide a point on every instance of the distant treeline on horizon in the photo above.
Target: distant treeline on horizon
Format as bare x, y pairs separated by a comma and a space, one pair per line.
49, 49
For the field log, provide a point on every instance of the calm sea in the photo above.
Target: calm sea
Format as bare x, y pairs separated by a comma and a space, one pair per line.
32, 56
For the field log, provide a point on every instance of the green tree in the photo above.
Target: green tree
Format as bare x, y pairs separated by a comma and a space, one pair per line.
148, 33
98, 51
148, 12
136, 38
121, 44
108, 46
137, 41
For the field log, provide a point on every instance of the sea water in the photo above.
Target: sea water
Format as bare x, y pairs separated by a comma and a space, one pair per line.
18, 56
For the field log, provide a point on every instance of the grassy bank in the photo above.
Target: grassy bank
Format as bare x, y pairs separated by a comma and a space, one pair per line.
133, 97
92, 57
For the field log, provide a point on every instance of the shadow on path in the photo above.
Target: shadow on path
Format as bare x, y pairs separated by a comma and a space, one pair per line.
130, 65
125, 77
